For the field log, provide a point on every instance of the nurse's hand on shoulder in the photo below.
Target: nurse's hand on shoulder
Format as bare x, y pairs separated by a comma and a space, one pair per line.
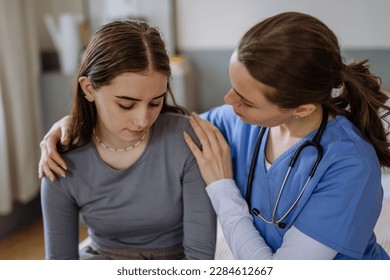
214, 156
51, 160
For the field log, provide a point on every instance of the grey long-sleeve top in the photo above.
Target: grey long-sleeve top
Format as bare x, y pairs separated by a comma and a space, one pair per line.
158, 202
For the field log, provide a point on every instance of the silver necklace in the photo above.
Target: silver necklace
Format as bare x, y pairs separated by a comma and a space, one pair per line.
119, 150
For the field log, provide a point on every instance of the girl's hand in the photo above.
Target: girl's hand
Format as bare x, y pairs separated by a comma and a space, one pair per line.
51, 160
214, 159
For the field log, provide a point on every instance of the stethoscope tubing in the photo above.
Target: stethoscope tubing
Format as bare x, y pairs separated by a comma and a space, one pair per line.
253, 166
315, 142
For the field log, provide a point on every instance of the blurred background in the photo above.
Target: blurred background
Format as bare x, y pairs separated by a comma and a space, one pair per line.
41, 42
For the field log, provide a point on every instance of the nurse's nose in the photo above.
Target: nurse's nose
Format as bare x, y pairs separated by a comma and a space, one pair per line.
231, 98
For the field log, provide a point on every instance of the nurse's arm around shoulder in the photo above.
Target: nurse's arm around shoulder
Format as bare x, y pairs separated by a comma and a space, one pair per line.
213, 158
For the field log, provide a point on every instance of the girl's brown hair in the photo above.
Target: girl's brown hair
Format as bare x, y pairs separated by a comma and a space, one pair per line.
116, 48
299, 56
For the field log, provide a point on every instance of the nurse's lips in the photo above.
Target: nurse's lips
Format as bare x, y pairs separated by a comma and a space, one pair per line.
237, 113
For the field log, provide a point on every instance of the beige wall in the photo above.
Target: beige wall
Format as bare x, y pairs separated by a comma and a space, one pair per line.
219, 24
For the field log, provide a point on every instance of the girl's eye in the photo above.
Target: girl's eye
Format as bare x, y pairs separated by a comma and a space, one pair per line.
154, 105
126, 108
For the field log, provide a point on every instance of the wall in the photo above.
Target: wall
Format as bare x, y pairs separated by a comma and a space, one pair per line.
219, 24
208, 31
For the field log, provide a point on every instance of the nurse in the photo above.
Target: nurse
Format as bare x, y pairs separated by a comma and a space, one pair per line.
311, 189
291, 87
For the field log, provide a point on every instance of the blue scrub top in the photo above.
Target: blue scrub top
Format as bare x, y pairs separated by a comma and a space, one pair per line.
340, 205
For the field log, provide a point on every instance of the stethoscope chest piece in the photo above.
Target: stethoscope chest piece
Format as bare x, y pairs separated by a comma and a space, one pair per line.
256, 212
281, 225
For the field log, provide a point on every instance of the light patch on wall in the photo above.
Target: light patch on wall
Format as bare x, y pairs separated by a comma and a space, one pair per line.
219, 24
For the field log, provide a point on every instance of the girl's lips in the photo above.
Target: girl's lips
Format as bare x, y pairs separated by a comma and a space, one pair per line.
136, 132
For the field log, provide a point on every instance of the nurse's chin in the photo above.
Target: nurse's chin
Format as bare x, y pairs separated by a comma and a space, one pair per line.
245, 120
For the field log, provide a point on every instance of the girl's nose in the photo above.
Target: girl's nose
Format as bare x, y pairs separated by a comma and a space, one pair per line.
142, 119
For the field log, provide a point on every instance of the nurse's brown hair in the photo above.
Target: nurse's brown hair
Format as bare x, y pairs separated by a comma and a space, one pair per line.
299, 57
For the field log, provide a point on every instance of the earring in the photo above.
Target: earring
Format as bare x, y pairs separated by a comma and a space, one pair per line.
86, 97
297, 117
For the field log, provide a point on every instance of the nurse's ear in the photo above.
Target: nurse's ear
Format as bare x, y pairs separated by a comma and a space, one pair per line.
87, 87
305, 110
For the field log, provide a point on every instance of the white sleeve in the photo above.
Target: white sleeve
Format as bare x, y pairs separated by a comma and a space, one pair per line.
243, 238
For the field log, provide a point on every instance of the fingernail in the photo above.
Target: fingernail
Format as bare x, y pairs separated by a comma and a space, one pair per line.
52, 178
63, 175
64, 167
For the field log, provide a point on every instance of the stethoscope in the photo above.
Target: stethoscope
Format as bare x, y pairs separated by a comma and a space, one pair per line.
315, 142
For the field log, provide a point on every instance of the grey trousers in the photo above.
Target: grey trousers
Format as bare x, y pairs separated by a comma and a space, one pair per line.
94, 251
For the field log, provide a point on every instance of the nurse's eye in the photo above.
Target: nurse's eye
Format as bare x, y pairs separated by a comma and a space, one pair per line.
248, 105
126, 108
243, 102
